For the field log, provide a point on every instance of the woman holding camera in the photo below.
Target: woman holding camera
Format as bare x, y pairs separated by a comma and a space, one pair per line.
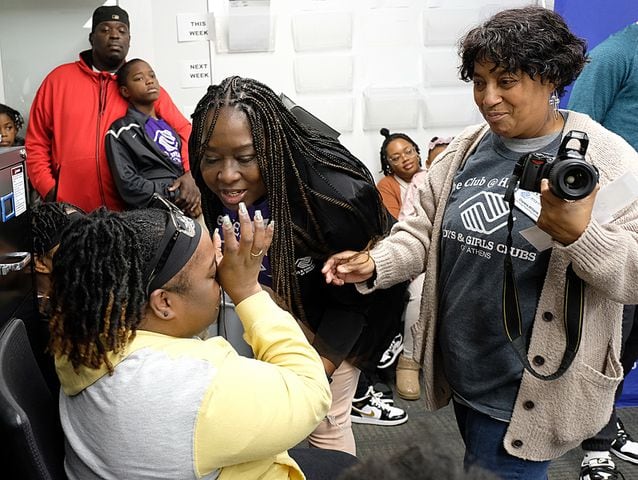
513, 418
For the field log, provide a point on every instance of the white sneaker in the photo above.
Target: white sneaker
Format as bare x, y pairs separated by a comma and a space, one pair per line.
602, 468
623, 446
392, 352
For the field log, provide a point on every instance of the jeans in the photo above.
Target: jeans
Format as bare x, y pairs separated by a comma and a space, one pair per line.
483, 438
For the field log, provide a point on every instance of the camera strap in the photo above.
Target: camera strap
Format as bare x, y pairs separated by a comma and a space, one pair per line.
513, 322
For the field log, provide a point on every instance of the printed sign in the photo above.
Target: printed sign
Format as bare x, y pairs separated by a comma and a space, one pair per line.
19, 190
192, 27
196, 73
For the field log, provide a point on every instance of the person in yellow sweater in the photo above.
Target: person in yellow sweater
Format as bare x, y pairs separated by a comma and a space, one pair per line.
143, 396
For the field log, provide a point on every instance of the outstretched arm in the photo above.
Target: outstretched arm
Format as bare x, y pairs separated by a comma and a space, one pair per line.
348, 267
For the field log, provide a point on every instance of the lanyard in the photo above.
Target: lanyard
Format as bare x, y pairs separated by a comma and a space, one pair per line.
512, 321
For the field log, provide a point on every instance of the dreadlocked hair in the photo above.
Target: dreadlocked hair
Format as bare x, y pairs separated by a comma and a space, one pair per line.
48, 221
386, 169
287, 153
98, 288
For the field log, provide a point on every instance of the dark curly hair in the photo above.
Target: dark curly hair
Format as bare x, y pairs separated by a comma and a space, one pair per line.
17, 120
13, 115
386, 169
98, 295
533, 40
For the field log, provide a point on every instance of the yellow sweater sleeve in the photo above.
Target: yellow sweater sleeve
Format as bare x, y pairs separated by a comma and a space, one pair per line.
256, 409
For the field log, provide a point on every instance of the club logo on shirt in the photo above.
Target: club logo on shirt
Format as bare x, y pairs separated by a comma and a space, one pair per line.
166, 139
169, 143
304, 265
485, 212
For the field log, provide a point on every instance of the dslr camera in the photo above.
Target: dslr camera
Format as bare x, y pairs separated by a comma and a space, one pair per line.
570, 176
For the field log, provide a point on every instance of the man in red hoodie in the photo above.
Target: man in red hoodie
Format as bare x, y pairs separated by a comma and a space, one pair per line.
71, 113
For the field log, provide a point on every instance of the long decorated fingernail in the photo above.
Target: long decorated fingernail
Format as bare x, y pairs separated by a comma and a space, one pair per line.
258, 215
242, 208
226, 223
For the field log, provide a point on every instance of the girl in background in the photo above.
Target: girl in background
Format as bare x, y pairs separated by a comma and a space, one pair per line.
10, 124
400, 161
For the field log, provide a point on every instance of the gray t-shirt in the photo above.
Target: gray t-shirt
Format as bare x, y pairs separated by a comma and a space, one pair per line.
482, 368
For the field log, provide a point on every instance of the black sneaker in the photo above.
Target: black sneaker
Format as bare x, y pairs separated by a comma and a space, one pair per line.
373, 410
600, 469
624, 446
391, 353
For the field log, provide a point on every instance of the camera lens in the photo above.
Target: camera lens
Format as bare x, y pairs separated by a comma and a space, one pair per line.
573, 179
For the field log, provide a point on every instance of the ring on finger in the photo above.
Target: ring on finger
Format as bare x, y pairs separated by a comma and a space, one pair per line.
258, 254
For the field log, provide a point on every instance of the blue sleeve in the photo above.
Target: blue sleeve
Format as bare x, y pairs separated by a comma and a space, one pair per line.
596, 88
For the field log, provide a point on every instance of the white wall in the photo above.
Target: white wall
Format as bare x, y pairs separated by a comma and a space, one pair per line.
339, 59
36, 36
356, 64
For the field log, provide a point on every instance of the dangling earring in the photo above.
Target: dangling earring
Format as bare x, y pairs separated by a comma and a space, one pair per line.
554, 101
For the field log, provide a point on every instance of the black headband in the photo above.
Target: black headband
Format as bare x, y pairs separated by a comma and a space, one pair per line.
184, 234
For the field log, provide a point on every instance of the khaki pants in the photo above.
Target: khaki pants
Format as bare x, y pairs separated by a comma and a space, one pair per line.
335, 431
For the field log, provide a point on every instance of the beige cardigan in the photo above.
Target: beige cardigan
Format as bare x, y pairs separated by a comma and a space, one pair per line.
576, 406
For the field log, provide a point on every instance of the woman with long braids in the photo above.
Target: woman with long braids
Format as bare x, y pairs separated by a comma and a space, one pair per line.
142, 396
247, 147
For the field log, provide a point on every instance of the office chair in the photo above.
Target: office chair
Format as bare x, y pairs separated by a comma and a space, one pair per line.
29, 420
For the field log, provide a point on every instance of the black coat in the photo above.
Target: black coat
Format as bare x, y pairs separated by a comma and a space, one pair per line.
347, 325
138, 166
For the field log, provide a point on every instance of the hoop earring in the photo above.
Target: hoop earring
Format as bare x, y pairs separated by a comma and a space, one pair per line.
554, 101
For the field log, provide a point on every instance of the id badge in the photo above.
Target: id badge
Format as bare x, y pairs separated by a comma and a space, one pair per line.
528, 202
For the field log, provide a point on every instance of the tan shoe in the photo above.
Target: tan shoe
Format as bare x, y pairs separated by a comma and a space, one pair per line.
408, 386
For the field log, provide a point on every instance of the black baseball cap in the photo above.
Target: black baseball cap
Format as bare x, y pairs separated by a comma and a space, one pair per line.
111, 13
